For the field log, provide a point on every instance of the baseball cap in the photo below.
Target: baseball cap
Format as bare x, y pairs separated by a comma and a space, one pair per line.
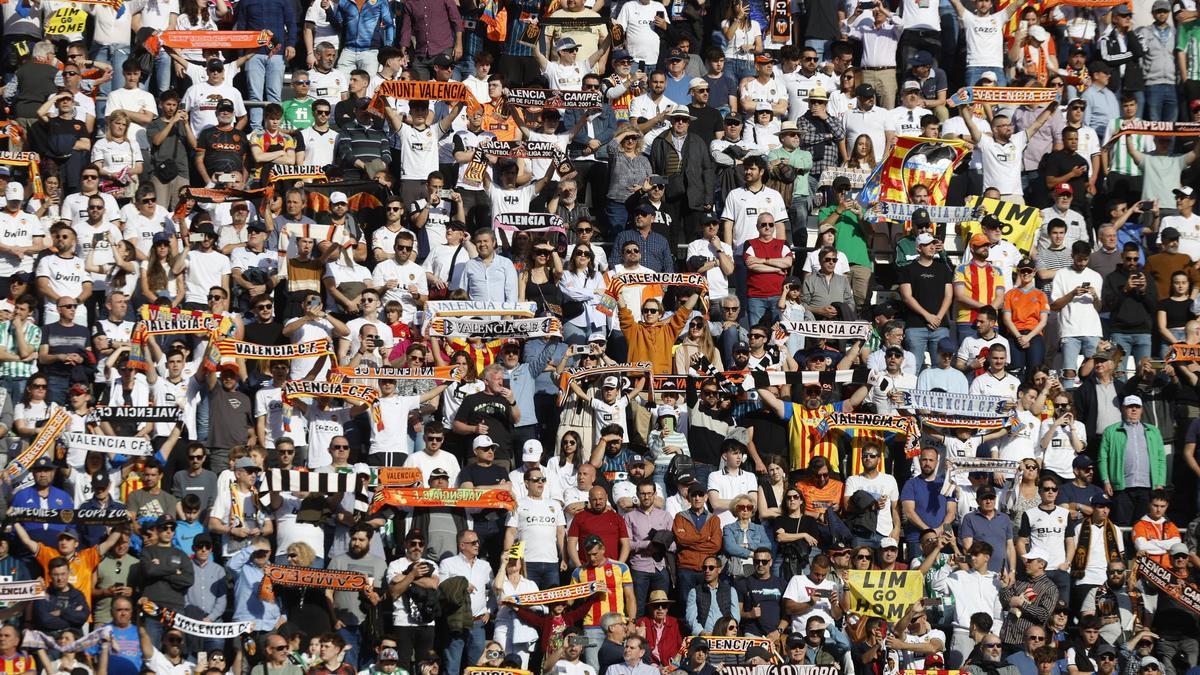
1185, 191
925, 238
214, 64
6, 306
1123, 10
443, 61
388, 654
988, 75
15, 192
1179, 549
1105, 648
893, 350
921, 59
764, 58
610, 382
698, 83
100, 480
864, 90
483, 441
758, 651
77, 389
256, 226
70, 532
980, 239
888, 542
43, 463
338, 198
245, 463
532, 451
597, 337
1026, 264
911, 85
163, 520
645, 209
1064, 187
741, 347
795, 640
1077, 102
696, 489
1132, 399
1038, 33
621, 55
1036, 553
792, 281
1169, 234
5, 171
566, 43
1160, 6
946, 346
203, 539
677, 55
205, 229
698, 645
666, 411
1101, 500
439, 473
986, 492
920, 218
1081, 462
592, 541
225, 105
990, 222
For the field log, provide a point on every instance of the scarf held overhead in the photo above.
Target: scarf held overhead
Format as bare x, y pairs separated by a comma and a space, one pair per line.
212, 39
559, 594
307, 577
1184, 592
20, 591
553, 98
204, 629
423, 90
608, 299
434, 373
137, 413
829, 330
169, 320
495, 328
229, 348
1003, 95
42, 443
963, 405
36, 639
476, 498
317, 482
31, 162
474, 308
573, 374
1183, 351
113, 445
896, 424
68, 516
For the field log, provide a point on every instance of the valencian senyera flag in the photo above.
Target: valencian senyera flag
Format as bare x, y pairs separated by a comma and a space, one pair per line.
912, 161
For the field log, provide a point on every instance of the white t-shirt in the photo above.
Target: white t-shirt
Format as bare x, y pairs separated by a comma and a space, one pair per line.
644, 107
268, 403
1002, 162
882, 485
394, 411
1048, 531
319, 147
564, 77
985, 39
802, 589
604, 414
323, 425
799, 85
728, 486
907, 122
74, 206
743, 207
427, 463
288, 531
327, 86
1023, 442
515, 200
408, 273
1080, 316
537, 522
311, 330
201, 100
420, 151
1189, 233
186, 393
641, 38
990, 385
66, 277
1060, 453
874, 123
141, 229
18, 229
718, 282
204, 270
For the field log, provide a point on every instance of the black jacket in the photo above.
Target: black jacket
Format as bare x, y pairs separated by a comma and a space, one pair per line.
1129, 312
696, 180
1129, 57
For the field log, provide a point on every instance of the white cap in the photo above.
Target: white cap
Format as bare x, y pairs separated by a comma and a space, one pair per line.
1036, 553
15, 192
925, 238
698, 82
1038, 33
597, 337
888, 542
1132, 400
6, 306
988, 75
483, 441
338, 198
612, 382
911, 84
666, 411
532, 451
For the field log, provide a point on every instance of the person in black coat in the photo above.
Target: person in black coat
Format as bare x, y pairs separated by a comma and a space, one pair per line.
684, 159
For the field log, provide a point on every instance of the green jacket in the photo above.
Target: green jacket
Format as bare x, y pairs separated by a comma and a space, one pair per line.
1112, 456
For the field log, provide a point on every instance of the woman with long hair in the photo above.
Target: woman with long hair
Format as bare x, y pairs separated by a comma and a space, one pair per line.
826, 236
843, 99
122, 274
562, 470
454, 394
772, 490
514, 635
118, 157
538, 282
580, 288
1024, 495
862, 154
697, 341
34, 408
862, 558
305, 606
156, 279
629, 170
195, 15
743, 40
1175, 311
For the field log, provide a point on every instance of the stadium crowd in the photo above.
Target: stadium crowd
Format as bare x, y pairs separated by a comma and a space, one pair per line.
724, 445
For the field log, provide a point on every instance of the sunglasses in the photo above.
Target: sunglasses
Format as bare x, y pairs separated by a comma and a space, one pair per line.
862, 557
711, 567
651, 310
404, 248
761, 562
149, 200
991, 645
1036, 638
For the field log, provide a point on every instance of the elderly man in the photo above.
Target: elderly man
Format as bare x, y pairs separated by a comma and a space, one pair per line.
1132, 463
1030, 602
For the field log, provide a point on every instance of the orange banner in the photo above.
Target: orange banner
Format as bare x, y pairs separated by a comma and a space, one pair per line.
399, 476
478, 498
427, 90
215, 39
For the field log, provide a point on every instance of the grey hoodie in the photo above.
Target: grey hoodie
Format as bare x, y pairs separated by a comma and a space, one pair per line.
1158, 64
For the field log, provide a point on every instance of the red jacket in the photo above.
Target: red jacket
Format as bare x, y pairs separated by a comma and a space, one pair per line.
665, 643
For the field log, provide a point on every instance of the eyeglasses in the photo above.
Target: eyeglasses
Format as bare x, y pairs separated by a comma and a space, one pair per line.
862, 557
394, 208
340, 446
651, 310
1107, 657
1035, 638
758, 561
70, 73
541, 251
286, 451
214, 296
1031, 467
631, 249
991, 645
535, 480
321, 112
765, 225
92, 207
71, 306
37, 386
870, 455
433, 439
731, 309
1114, 571
1049, 488
200, 457
792, 497
744, 507
90, 177
831, 260
568, 442
404, 248
757, 336
711, 567
149, 200
708, 392
470, 542
300, 81
590, 87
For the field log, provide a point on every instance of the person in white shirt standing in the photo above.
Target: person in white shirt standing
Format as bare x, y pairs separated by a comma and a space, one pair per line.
884, 489
985, 38
641, 21
869, 118
879, 33
22, 236
205, 267
1075, 295
1001, 151
905, 120
539, 523
402, 279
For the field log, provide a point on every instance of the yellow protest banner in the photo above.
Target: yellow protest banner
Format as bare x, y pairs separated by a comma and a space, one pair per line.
66, 21
884, 593
1021, 223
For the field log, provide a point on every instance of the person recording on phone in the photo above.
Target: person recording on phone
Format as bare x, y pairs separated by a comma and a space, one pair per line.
974, 588
1132, 304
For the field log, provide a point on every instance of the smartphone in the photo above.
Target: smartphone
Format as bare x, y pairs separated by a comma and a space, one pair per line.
314, 303
508, 383
445, 194
576, 641
1086, 284
1147, 205
930, 602
195, 238
1157, 364
960, 558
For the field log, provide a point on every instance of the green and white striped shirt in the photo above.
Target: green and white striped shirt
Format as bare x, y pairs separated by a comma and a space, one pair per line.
8, 340
1187, 40
1119, 160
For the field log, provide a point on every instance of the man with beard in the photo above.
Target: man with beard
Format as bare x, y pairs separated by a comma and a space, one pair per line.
1001, 151
347, 605
805, 442
165, 573
170, 660
802, 80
